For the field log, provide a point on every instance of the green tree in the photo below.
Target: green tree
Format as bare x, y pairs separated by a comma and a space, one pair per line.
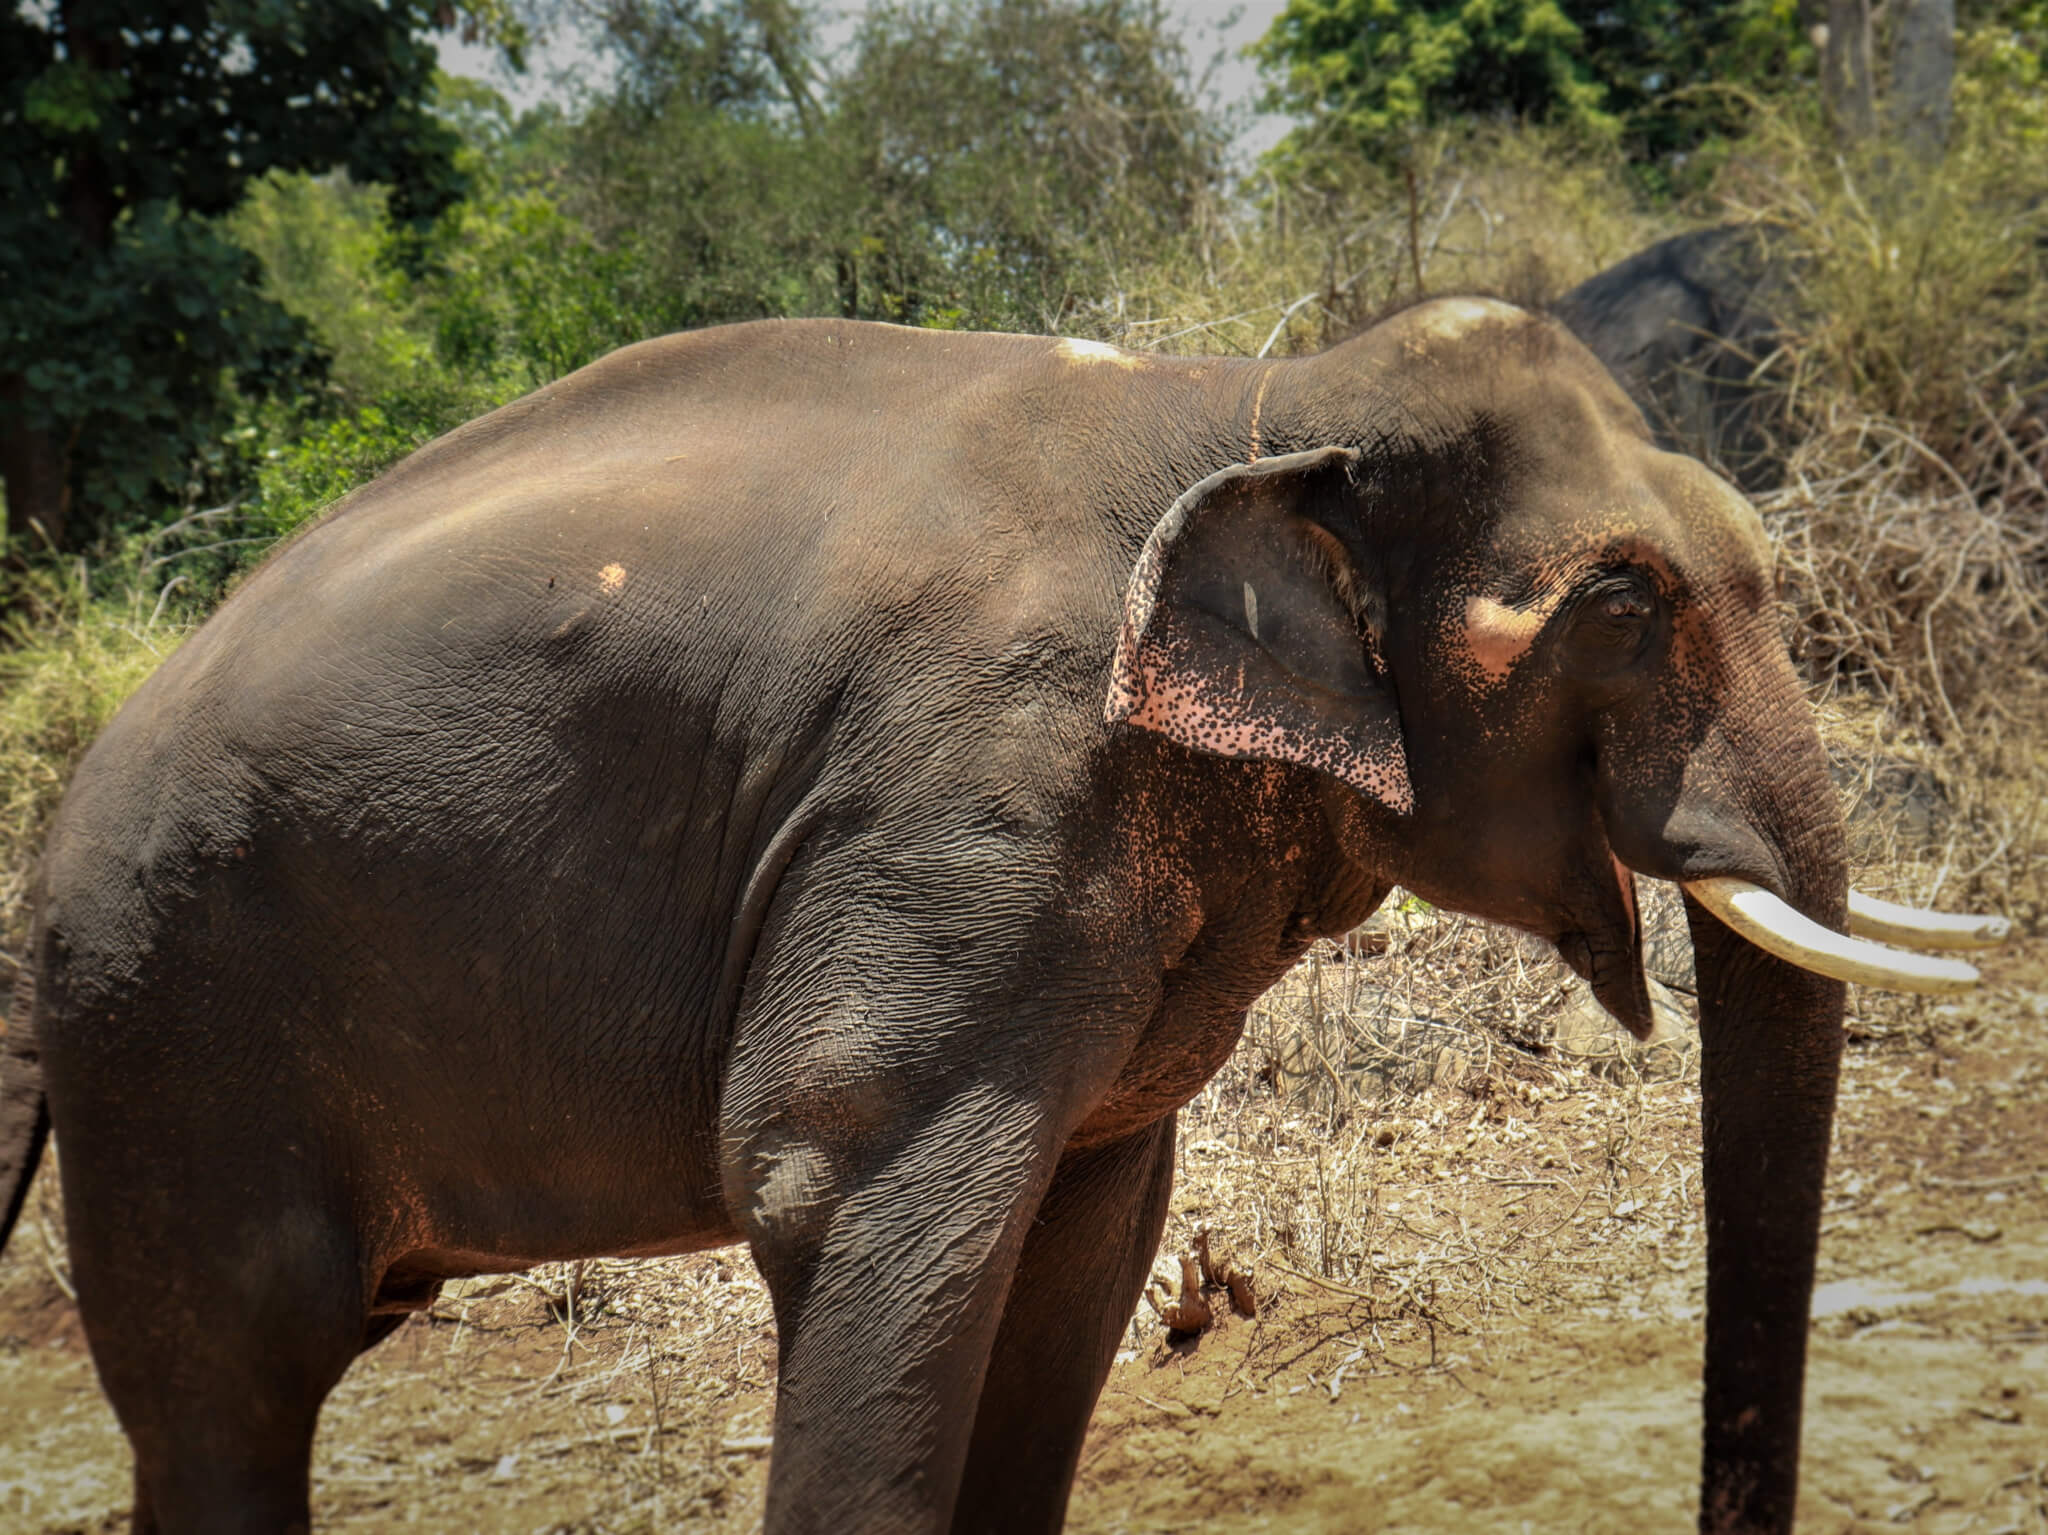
1016, 155
325, 245
977, 162
696, 189
133, 126
1370, 73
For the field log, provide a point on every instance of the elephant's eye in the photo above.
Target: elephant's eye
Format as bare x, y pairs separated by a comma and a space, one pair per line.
1614, 622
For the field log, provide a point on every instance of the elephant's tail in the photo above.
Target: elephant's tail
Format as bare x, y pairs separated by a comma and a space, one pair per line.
24, 1111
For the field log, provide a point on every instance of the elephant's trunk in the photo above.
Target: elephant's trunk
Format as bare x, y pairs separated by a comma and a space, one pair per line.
1771, 1041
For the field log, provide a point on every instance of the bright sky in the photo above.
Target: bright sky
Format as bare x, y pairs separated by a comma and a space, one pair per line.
1215, 30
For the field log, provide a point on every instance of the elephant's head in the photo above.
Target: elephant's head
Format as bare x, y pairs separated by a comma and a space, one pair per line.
1544, 657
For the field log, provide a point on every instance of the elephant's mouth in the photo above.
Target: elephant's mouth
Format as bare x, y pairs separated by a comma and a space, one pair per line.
1607, 954
1704, 854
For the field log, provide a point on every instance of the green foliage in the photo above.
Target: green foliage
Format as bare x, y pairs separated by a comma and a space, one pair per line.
2001, 84
525, 294
1922, 288
1020, 154
133, 126
978, 162
1373, 71
695, 216
2024, 21
323, 244
186, 100
123, 354
325, 461
1369, 74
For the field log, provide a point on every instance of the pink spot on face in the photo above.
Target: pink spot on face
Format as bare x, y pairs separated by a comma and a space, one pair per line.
1497, 636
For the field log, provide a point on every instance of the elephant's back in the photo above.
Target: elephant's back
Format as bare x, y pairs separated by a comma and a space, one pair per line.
636, 609
777, 479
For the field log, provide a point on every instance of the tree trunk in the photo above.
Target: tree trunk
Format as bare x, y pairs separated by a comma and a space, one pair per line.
1923, 70
1845, 71
36, 463
33, 466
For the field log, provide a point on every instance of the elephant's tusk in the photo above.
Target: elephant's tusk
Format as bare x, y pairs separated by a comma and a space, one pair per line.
1891, 923
1775, 927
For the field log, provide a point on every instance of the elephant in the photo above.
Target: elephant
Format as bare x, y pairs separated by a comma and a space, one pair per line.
1691, 327
838, 787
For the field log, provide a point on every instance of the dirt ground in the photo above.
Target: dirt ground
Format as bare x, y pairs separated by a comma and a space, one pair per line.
1479, 1308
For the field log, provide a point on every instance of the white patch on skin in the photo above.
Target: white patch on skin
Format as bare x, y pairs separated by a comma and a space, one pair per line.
1447, 319
1251, 609
611, 578
1076, 350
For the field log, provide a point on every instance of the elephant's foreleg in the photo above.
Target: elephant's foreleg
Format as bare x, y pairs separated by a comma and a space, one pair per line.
1084, 1264
888, 1271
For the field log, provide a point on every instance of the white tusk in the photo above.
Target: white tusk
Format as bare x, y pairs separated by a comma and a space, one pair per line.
1889, 922
1775, 927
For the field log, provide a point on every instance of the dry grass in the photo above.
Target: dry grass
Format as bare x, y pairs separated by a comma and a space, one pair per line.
1523, 213
1931, 597
70, 654
1913, 529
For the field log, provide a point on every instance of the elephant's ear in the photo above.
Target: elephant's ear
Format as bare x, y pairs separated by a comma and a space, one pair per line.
1247, 631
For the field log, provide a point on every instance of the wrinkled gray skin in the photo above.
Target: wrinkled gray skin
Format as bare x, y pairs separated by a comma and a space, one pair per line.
1690, 326
798, 784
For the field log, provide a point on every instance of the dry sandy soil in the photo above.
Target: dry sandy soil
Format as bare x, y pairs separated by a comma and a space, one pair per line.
1479, 1308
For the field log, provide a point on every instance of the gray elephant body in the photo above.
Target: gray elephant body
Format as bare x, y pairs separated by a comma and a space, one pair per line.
1691, 327
678, 809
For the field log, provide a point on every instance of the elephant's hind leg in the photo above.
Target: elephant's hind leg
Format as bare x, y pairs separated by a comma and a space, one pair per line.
217, 1350
1083, 1267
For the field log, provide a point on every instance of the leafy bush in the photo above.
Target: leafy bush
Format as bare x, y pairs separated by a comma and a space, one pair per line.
1370, 76
307, 473
978, 162
132, 131
324, 244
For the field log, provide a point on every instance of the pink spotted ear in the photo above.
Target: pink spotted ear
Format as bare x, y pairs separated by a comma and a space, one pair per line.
1245, 630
